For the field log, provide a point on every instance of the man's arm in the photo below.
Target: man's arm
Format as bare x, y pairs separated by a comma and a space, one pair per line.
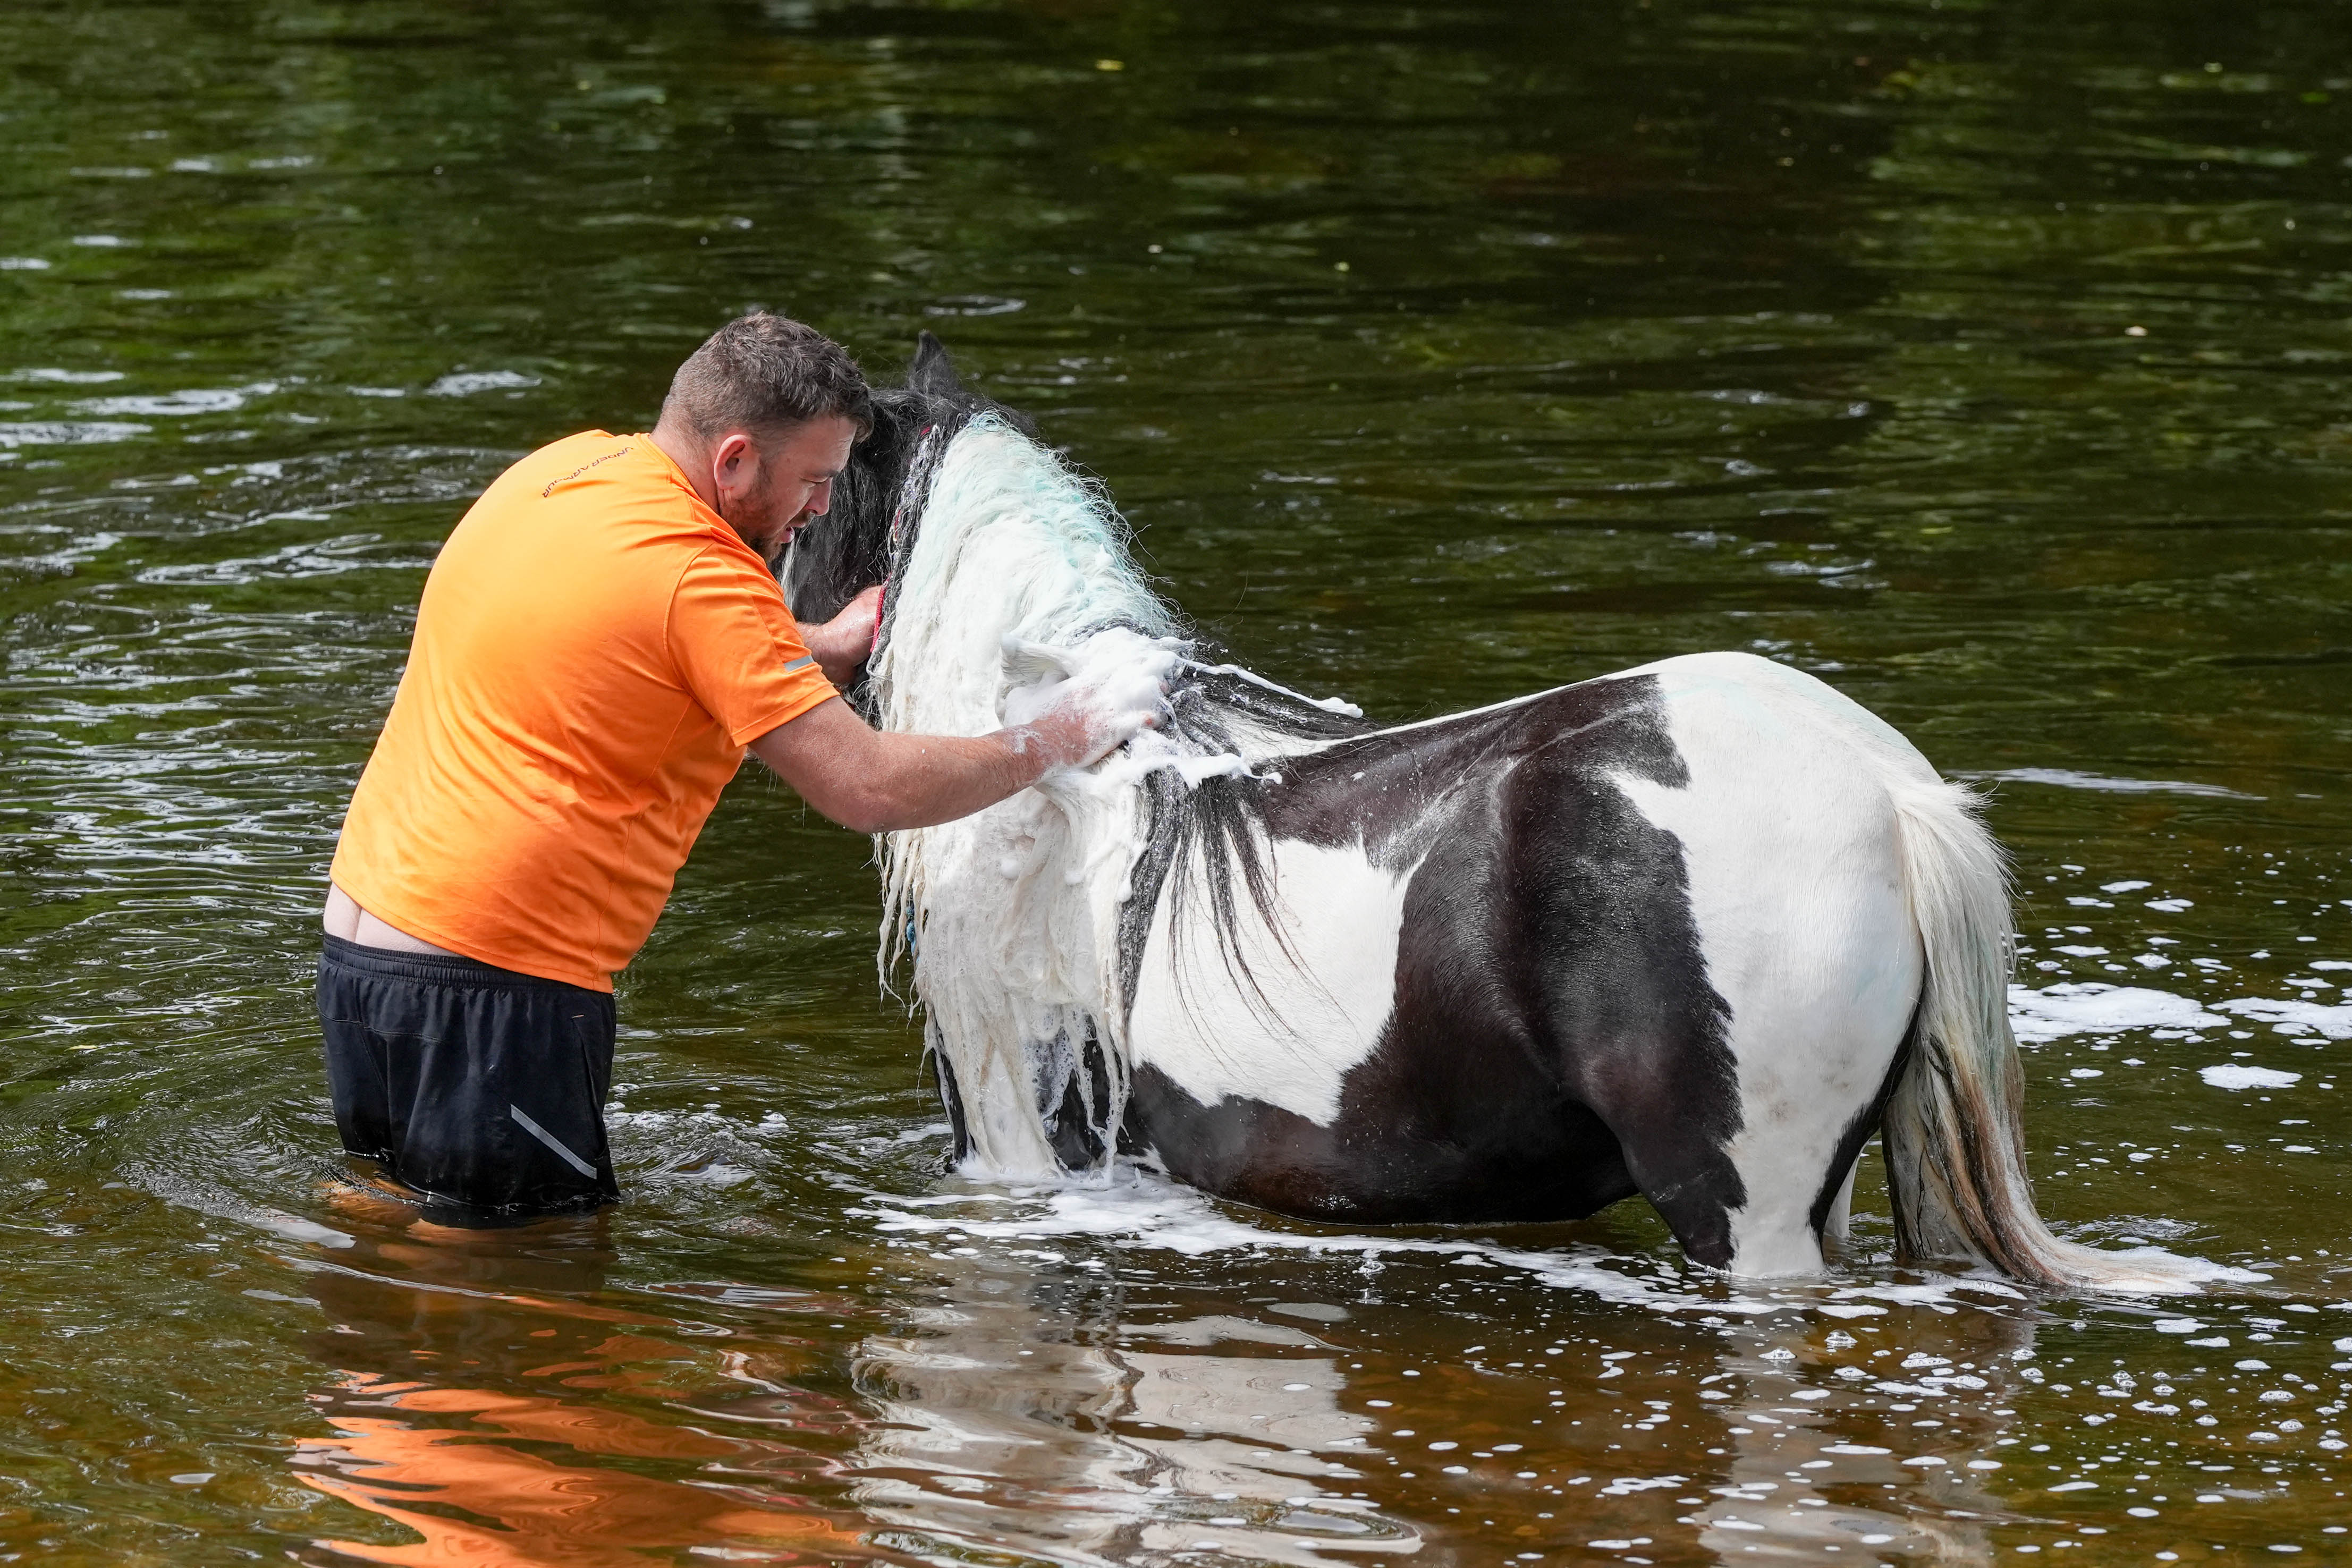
841, 644
871, 782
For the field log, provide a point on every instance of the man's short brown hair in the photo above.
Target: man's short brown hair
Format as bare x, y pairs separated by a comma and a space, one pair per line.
765, 374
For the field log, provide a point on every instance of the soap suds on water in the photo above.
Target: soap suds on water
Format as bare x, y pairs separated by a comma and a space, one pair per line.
2291, 1016
2237, 1075
2092, 1007
2072, 1008
1141, 1209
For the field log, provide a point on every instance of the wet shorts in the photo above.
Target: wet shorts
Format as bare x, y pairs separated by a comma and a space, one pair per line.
480, 1088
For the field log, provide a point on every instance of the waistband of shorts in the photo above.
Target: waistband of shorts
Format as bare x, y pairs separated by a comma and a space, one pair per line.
440, 968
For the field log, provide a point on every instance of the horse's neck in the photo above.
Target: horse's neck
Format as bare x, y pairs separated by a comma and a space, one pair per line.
1013, 913
1011, 918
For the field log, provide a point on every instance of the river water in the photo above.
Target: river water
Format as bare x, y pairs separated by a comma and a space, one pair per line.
1987, 359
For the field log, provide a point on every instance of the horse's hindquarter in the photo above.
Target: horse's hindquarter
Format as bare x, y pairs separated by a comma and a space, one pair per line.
1794, 867
1545, 955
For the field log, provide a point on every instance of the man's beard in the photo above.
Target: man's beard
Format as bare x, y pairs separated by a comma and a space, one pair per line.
749, 517
747, 514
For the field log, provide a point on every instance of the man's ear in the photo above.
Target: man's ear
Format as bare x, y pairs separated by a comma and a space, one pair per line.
728, 458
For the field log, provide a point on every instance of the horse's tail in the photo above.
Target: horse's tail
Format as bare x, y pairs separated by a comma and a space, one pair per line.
1953, 1128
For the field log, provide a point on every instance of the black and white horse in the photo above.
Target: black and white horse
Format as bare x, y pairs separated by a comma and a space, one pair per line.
1696, 930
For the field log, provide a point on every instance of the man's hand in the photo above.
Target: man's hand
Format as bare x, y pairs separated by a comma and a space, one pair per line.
841, 644
1084, 725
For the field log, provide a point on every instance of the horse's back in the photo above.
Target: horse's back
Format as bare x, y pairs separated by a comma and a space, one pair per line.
1769, 699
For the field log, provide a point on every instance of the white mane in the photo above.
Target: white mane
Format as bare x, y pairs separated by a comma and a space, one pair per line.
1011, 915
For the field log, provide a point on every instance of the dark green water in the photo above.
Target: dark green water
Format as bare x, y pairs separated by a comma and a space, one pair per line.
1989, 359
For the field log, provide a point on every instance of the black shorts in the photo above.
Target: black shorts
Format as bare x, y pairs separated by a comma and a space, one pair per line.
480, 1088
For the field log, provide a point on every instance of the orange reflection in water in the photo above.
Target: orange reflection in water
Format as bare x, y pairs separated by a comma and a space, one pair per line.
451, 1416
480, 1501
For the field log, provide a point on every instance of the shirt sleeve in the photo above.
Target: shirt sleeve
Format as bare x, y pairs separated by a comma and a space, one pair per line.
739, 649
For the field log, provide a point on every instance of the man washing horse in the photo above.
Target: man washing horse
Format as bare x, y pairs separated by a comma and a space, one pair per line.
599, 643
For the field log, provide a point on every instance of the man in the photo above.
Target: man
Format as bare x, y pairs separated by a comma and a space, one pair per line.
599, 642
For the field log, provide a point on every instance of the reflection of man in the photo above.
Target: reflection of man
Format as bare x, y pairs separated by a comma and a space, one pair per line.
471, 1405
598, 642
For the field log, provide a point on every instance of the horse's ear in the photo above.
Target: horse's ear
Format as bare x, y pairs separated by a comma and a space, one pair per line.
933, 373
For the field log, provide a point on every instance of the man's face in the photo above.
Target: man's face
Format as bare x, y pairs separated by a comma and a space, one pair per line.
768, 498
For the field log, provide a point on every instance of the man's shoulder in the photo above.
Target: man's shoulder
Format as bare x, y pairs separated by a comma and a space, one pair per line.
586, 517
620, 486
595, 469
589, 457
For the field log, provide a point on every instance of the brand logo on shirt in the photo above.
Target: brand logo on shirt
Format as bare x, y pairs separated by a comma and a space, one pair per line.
575, 473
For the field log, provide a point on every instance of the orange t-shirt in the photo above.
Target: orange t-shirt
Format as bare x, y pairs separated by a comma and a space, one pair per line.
593, 650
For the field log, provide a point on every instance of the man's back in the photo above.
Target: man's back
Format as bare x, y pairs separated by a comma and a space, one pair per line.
593, 648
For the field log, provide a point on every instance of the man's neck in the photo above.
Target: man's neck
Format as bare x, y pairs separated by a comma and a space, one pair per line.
686, 450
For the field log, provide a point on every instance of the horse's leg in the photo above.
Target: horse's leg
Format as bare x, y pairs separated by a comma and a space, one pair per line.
1818, 1055
1596, 938
951, 1096
1743, 1128
1837, 1225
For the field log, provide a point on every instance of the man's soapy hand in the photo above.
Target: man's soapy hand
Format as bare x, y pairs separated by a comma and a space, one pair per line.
1077, 733
1074, 723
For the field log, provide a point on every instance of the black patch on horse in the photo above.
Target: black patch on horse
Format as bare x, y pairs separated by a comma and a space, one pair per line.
1554, 1045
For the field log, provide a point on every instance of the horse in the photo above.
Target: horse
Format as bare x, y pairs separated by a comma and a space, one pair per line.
1697, 930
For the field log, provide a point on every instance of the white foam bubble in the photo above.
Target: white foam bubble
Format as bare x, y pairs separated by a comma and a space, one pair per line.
2237, 1075
1329, 704
2293, 1018
1117, 670
2056, 1011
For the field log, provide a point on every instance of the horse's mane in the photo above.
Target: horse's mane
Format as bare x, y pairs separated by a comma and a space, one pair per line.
1219, 822
998, 552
